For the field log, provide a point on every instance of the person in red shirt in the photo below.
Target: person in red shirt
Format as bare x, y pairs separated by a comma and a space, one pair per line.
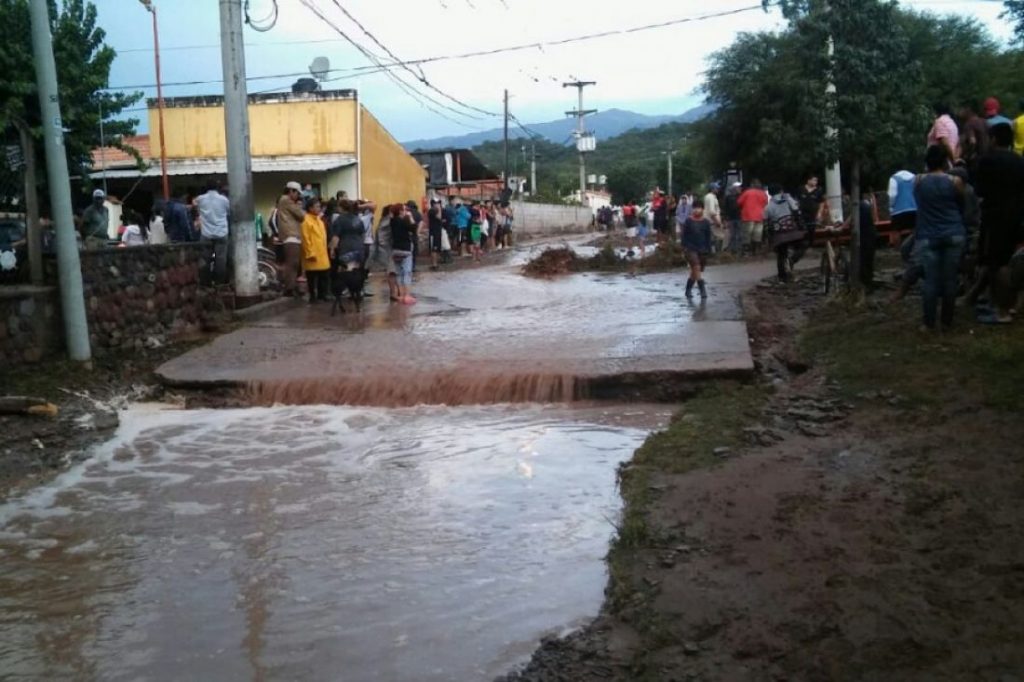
752, 204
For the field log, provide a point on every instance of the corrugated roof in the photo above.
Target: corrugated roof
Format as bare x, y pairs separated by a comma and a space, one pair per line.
260, 164
111, 157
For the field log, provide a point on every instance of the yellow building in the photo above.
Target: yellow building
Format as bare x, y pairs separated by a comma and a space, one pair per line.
326, 139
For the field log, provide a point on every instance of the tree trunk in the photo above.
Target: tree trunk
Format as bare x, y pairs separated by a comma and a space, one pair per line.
854, 274
35, 241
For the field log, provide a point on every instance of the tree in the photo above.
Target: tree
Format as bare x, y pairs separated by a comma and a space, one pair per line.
1015, 12
630, 182
83, 70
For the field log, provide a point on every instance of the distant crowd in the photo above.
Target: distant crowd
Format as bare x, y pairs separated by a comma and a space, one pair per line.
962, 215
315, 236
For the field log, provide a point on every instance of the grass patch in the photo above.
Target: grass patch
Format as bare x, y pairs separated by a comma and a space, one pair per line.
881, 349
713, 419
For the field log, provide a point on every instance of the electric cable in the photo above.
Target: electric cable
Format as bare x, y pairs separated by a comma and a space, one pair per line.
421, 76
265, 24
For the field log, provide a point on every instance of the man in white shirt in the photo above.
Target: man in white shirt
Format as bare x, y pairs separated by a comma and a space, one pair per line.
214, 212
713, 212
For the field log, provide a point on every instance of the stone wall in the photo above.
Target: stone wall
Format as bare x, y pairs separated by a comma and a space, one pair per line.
540, 219
30, 326
142, 296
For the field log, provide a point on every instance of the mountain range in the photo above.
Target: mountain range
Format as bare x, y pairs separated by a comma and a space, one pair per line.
604, 125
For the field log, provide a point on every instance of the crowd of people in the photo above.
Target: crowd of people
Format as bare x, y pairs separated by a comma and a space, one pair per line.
963, 215
311, 235
316, 236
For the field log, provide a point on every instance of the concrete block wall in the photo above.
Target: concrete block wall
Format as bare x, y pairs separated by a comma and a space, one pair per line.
540, 219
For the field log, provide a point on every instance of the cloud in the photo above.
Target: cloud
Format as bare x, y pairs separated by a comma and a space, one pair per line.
653, 72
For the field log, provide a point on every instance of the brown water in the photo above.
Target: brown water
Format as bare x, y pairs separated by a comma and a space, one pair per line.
315, 543
468, 385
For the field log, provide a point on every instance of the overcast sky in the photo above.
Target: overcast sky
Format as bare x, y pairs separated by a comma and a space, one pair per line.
652, 72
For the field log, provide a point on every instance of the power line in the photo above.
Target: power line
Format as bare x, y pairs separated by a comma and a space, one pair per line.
265, 24
418, 96
420, 77
468, 55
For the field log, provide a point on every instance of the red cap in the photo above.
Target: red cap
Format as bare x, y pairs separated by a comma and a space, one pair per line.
991, 106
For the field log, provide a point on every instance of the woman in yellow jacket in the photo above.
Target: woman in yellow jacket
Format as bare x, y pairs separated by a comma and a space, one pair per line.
315, 261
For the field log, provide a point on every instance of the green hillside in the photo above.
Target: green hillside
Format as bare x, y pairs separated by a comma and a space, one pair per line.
633, 162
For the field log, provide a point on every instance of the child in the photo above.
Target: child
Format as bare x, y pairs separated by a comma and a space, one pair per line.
696, 240
315, 262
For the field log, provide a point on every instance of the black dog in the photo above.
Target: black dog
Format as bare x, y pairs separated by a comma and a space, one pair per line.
352, 281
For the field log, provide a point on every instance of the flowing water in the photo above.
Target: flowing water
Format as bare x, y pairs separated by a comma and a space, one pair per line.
315, 543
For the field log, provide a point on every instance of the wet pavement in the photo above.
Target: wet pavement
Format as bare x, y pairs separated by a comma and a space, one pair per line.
315, 543
485, 331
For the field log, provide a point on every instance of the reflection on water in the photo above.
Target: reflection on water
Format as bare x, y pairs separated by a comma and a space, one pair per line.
314, 543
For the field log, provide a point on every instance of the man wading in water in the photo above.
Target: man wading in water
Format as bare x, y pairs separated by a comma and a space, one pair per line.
696, 240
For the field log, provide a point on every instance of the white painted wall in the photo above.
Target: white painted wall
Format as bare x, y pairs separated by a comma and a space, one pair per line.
550, 218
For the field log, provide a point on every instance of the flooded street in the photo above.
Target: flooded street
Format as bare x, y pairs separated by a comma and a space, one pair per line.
315, 543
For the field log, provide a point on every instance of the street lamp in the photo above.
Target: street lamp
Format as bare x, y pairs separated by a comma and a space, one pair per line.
148, 4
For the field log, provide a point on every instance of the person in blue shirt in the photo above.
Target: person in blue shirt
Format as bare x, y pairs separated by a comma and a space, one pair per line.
940, 235
696, 239
462, 217
177, 223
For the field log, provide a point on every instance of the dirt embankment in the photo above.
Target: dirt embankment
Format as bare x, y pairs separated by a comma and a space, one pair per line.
36, 448
853, 515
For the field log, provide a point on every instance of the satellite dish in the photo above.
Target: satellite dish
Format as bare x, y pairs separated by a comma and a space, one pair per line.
319, 68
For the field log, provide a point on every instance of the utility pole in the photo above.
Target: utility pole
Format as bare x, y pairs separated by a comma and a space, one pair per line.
533, 168
103, 151
165, 185
76, 325
236, 129
581, 145
833, 174
506, 139
669, 154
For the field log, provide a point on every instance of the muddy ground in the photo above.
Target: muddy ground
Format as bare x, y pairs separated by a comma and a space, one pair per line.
34, 449
854, 514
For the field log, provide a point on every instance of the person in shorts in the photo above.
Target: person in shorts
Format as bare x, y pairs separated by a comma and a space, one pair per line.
696, 241
476, 229
403, 232
752, 203
631, 218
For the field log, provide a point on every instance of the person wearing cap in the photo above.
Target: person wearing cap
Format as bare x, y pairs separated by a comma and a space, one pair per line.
96, 221
992, 115
289, 225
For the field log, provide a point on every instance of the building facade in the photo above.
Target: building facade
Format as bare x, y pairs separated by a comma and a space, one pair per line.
326, 139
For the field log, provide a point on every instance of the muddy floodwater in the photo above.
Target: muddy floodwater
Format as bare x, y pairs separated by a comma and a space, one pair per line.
315, 543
